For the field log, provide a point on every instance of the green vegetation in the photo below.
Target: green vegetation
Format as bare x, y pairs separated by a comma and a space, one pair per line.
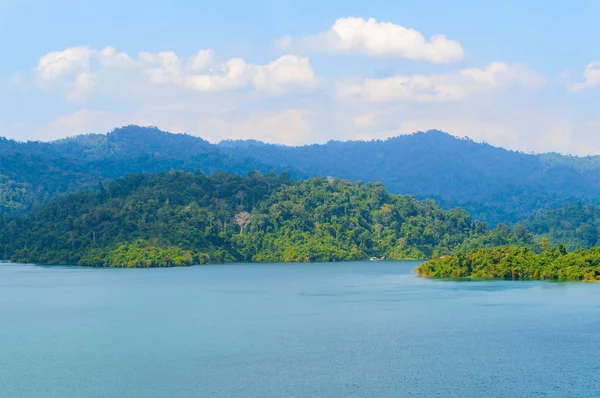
517, 263
493, 184
141, 254
574, 225
32, 173
180, 218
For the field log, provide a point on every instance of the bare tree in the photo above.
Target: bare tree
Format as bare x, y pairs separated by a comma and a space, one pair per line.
242, 219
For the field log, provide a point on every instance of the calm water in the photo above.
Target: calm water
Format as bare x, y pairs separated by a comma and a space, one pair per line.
279, 330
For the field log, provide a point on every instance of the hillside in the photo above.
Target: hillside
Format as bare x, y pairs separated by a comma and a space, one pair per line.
180, 218
493, 184
574, 225
31, 173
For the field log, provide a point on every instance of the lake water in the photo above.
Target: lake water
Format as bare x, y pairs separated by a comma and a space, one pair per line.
363, 329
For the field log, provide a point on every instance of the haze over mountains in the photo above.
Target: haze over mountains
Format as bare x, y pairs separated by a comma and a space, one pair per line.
493, 184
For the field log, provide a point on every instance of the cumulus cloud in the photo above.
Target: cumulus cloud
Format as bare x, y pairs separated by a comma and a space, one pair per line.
56, 64
218, 99
447, 87
76, 71
592, 77
202, 60
68, 70
377, 39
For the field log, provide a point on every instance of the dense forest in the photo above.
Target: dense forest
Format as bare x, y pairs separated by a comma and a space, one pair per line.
517, 263
32, 173
180, 218
573, 225
493, 184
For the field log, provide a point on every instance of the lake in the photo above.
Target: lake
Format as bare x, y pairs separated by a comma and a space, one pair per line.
360, 329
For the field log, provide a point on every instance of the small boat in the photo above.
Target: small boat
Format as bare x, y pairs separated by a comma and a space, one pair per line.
376, 258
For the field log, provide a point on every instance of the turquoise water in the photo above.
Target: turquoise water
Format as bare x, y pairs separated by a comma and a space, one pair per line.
366, 329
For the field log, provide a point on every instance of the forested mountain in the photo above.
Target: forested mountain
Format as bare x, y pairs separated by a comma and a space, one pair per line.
180, 218
574, 225
33, 172
493, 184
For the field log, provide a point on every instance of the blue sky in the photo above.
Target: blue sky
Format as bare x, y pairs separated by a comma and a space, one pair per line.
516, 74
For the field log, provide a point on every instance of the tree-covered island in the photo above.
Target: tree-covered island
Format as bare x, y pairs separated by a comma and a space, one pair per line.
517, 263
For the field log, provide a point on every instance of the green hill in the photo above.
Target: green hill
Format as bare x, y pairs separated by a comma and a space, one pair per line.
32, 173
180, 218
574, 225
493, 184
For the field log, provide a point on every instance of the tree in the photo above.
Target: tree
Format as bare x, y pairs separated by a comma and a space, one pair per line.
562, 249
242, 219
544, 244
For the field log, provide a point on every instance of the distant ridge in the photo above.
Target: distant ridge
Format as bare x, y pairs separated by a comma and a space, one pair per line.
494, 184
31, 173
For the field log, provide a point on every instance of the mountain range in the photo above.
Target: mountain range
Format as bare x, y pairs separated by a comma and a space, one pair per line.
493, 184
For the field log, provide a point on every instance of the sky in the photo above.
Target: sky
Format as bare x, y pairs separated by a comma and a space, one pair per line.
522, 75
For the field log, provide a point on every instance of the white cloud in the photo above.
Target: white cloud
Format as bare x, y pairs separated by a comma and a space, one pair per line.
592, 77
202, 60
109, 57
60, 63
163, 67
83, 84
285, 73
288, 126
377, 39
219, 99
67, 70
291, 126
77, 71
230, 75
84, 120
365, 120
438, 88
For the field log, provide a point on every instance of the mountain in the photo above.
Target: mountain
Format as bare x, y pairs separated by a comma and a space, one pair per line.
574, 225
180, 218
31, 173
493, 184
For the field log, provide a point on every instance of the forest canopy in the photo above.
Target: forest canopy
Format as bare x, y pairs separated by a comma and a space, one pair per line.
517, 263
180, 218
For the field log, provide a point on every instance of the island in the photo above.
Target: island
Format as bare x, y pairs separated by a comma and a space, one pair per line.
517, 263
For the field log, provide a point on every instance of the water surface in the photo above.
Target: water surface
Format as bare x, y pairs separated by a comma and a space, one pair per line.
362, 329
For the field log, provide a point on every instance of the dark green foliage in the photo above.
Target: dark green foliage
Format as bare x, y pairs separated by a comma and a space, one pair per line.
574, 225
517, 263
493, 184
32, 173
179, 218
141, 254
